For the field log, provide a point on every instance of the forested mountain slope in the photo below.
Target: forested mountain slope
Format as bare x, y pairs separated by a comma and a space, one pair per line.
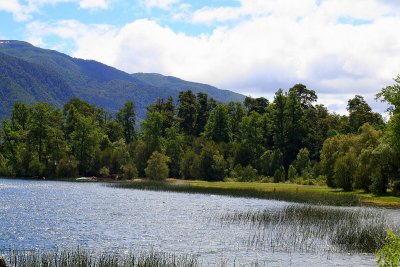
92, 81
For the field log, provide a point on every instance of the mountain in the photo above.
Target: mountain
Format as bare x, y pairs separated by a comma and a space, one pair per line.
174, 83
31, 74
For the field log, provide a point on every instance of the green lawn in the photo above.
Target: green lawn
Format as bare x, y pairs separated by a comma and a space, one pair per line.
365, 198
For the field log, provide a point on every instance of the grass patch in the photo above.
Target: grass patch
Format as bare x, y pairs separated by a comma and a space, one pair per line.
286, 192
309, 228
83, 258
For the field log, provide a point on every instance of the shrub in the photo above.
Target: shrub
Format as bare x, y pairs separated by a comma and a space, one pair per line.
292, 173
157, 166
279, 175
389, 254
129, 171
245, 174
67, 167
104, 171
36, 168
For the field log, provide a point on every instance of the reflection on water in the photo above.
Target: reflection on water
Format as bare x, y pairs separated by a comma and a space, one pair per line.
46, 215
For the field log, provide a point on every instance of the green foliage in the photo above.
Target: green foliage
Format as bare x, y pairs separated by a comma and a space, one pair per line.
216, 128
302, 161
67, 167
292, 173
157, 166
244, 174
271, 160
211, 163
187, 112
127, 119
189, 168
279, 175
345, 168
174, 145
389, 254
36, 168
129, 171
104, 171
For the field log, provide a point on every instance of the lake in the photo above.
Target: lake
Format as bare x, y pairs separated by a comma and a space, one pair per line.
47, 215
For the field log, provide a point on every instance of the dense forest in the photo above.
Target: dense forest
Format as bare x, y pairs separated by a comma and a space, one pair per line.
290, 138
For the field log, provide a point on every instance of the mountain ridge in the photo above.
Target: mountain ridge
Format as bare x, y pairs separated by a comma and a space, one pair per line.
94, 82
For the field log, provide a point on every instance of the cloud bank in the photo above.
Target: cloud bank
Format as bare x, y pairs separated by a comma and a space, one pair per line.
338, 48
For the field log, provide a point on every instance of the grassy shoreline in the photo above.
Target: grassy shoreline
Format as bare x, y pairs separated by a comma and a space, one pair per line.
278, 191
310, 194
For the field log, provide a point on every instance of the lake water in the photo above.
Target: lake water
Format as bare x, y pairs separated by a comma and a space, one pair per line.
47, 215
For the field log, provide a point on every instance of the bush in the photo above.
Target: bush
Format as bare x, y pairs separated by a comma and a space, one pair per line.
129, 171
396, 188
279, 175
157, 166
36, 168
389, 254
104, 171
67, 167
292, 173
245, 174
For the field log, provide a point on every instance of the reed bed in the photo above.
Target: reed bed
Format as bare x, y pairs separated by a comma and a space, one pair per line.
316, 198
307, 228
83, 258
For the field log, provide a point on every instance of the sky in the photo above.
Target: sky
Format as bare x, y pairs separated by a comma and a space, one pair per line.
339, 48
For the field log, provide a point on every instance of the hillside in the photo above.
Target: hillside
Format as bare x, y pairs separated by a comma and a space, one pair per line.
92, 81
21, 81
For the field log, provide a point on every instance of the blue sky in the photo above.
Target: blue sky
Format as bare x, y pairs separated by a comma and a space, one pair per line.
338, 48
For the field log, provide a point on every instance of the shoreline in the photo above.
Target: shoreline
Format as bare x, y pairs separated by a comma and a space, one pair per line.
277, 191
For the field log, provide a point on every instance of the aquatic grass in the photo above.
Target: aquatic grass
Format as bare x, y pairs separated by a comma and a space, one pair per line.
309, 228
298, 196
83, 258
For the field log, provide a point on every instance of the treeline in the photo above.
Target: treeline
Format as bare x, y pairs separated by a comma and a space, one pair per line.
291, 138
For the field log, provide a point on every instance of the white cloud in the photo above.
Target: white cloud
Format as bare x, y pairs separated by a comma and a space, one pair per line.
93, 4
278, 44
163, 4
23, 10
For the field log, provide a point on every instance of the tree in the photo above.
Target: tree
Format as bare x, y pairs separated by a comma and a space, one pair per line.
152, 129
129, 171
302, 161
174, 145
216, 128
278, 120
235, 112
294, 132
360, 113
167, 110
203, 112
84, 140
127, 118
333, 148
279, 175
187, 112
307, 96
258, 105
114, 131
345, 168
189, 168
157, 166
20, 116
271, 160
67, 167
211, 163
391, 95
292, 173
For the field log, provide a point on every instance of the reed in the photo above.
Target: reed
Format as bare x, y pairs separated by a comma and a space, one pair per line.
309, 228
83, 258
317, 198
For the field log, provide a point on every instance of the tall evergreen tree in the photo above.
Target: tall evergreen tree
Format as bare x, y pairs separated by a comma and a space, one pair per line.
127, 118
